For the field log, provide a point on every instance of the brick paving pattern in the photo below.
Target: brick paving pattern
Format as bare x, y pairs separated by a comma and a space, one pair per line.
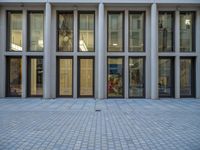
85, 124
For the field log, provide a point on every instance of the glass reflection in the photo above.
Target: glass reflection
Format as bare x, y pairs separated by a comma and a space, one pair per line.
187, 77
186, 31
166, 77
86, 32
36, 29
115, 77
65, 76
15, 31
166, 27
115, 31
36, 76
86, 76
136, 31
14, 76
136, 77
65, 32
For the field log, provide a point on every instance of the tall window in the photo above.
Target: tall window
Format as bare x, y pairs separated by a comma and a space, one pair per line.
115, 77
166, 31
14, 31
166, 77
65, 76
136, 77
187, 31
65, 31
136, 31
187, 77
115, 31
86, 30
35, 76
86, 76
35, 31
14, 76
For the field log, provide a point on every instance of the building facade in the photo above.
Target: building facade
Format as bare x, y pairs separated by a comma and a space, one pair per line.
100, 48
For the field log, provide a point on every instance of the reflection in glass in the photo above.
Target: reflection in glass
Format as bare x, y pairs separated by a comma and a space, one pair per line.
86, 32
166, 28
187, 31
115, 77
14, 75
166, 78
115, 31
65, 31
136, 77
36, 29
65, 76
35, 77
136, 31
187, 77
14, 31
86, 78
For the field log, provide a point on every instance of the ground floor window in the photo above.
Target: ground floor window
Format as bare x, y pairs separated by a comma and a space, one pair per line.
35, 76
65, 76
166, 77
115, 77
14, 76
86, 76
136, 77
187, 77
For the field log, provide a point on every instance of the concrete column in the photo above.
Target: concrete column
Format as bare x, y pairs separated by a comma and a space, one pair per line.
47, 51
154, 52
101, 50
177, 58
198, 54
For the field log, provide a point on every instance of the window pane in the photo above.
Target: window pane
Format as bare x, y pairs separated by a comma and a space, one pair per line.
35, 77
186, 31
14, 31
115, 77
86, 78
86, 32
115, 31
136, 77
136, 32
65, 31
166, 33
36, 29
14, 76
65, 76
187, 77
166, 77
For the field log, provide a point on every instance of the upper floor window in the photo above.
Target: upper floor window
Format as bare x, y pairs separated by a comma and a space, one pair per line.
187, 31
14, 31
65, 31
115, 31
35, 31
136, 31
166, 31
86, 31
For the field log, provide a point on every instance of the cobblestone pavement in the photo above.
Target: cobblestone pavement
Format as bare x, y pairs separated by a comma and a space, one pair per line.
99, 124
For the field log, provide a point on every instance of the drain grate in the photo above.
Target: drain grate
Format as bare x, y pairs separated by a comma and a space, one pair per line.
98, 110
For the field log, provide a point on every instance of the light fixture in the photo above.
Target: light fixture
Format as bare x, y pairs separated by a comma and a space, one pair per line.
187, 22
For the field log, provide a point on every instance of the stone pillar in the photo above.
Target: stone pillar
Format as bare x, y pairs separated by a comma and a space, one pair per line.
101, 54
47, 51
154, 52
198, 54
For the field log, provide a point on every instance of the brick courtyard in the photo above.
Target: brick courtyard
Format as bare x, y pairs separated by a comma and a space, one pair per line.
99, 124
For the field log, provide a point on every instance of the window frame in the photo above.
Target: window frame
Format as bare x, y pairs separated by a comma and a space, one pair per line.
28, 30
144, 76
8, 31
58, 76
123, 21
78, 29
144, 30
123, 69
79, 75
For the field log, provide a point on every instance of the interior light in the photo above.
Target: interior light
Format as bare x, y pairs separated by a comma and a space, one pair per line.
187, 21
115, 44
